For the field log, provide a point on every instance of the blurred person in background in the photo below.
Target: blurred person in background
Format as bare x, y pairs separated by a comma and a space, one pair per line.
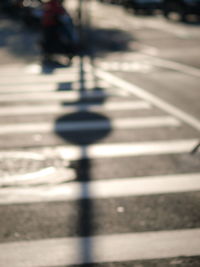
58, 33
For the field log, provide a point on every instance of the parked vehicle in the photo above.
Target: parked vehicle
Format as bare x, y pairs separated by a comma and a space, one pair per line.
181, 7
28, 11
143, 5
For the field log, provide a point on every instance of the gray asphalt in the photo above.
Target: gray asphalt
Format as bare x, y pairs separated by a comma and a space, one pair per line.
122, 38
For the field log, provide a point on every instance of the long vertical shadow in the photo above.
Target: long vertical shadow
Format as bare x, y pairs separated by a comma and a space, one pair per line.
84, 139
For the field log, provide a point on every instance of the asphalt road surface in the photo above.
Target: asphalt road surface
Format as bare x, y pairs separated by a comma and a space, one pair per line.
98, 165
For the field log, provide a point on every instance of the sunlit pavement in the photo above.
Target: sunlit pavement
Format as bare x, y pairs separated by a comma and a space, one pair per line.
98, 163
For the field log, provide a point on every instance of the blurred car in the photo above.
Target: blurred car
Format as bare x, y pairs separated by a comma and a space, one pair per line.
29, 11
144, 5
181, 7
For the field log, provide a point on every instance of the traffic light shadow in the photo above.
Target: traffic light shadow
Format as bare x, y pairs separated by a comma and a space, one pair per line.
82, 166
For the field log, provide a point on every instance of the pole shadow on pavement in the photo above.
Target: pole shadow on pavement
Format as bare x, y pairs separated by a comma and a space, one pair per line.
101, 41
85, 227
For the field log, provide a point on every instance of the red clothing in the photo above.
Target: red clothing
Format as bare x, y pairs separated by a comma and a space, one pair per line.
51, 10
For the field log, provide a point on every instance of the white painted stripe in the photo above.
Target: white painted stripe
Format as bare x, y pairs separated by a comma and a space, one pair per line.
11, 68
22, 155
49, 175
99, 249
123, 123
38, 79
27, 78
68, 96
112, 79
120, 149
124, 187
27, 110
176, 66
126, 66
36, 70
31, 88
52, 86
116, 150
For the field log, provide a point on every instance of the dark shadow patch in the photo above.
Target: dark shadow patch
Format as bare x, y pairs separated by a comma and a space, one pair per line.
24, 43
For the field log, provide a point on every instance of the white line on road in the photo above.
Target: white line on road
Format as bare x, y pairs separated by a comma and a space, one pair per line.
38, 69
73, 152
124, 187
27, 110
98, 249
53, 86
49, 175
112, 79
120, 149
123, 123
148, 64
39, 79
26, 79
126, 66
67, 96
176, 66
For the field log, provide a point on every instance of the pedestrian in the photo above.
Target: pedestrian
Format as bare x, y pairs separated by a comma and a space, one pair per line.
57, 30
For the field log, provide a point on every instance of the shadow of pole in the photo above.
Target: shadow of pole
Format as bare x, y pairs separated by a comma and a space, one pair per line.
82, 75
86, 213
83, 165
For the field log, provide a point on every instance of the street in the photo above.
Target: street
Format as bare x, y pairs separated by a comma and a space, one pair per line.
99, 161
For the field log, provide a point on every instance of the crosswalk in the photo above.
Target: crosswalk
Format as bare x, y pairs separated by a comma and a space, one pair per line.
98, 172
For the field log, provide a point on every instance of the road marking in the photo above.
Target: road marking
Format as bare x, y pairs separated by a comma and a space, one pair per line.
127, 149
22, 155
53, 86
39, 69
23, 79
141, 93
176, 66
38, 79
73, 152
49, 175
127, 66
146, 65
67, 96
27, 110
115, 188
104, 248
123, 123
